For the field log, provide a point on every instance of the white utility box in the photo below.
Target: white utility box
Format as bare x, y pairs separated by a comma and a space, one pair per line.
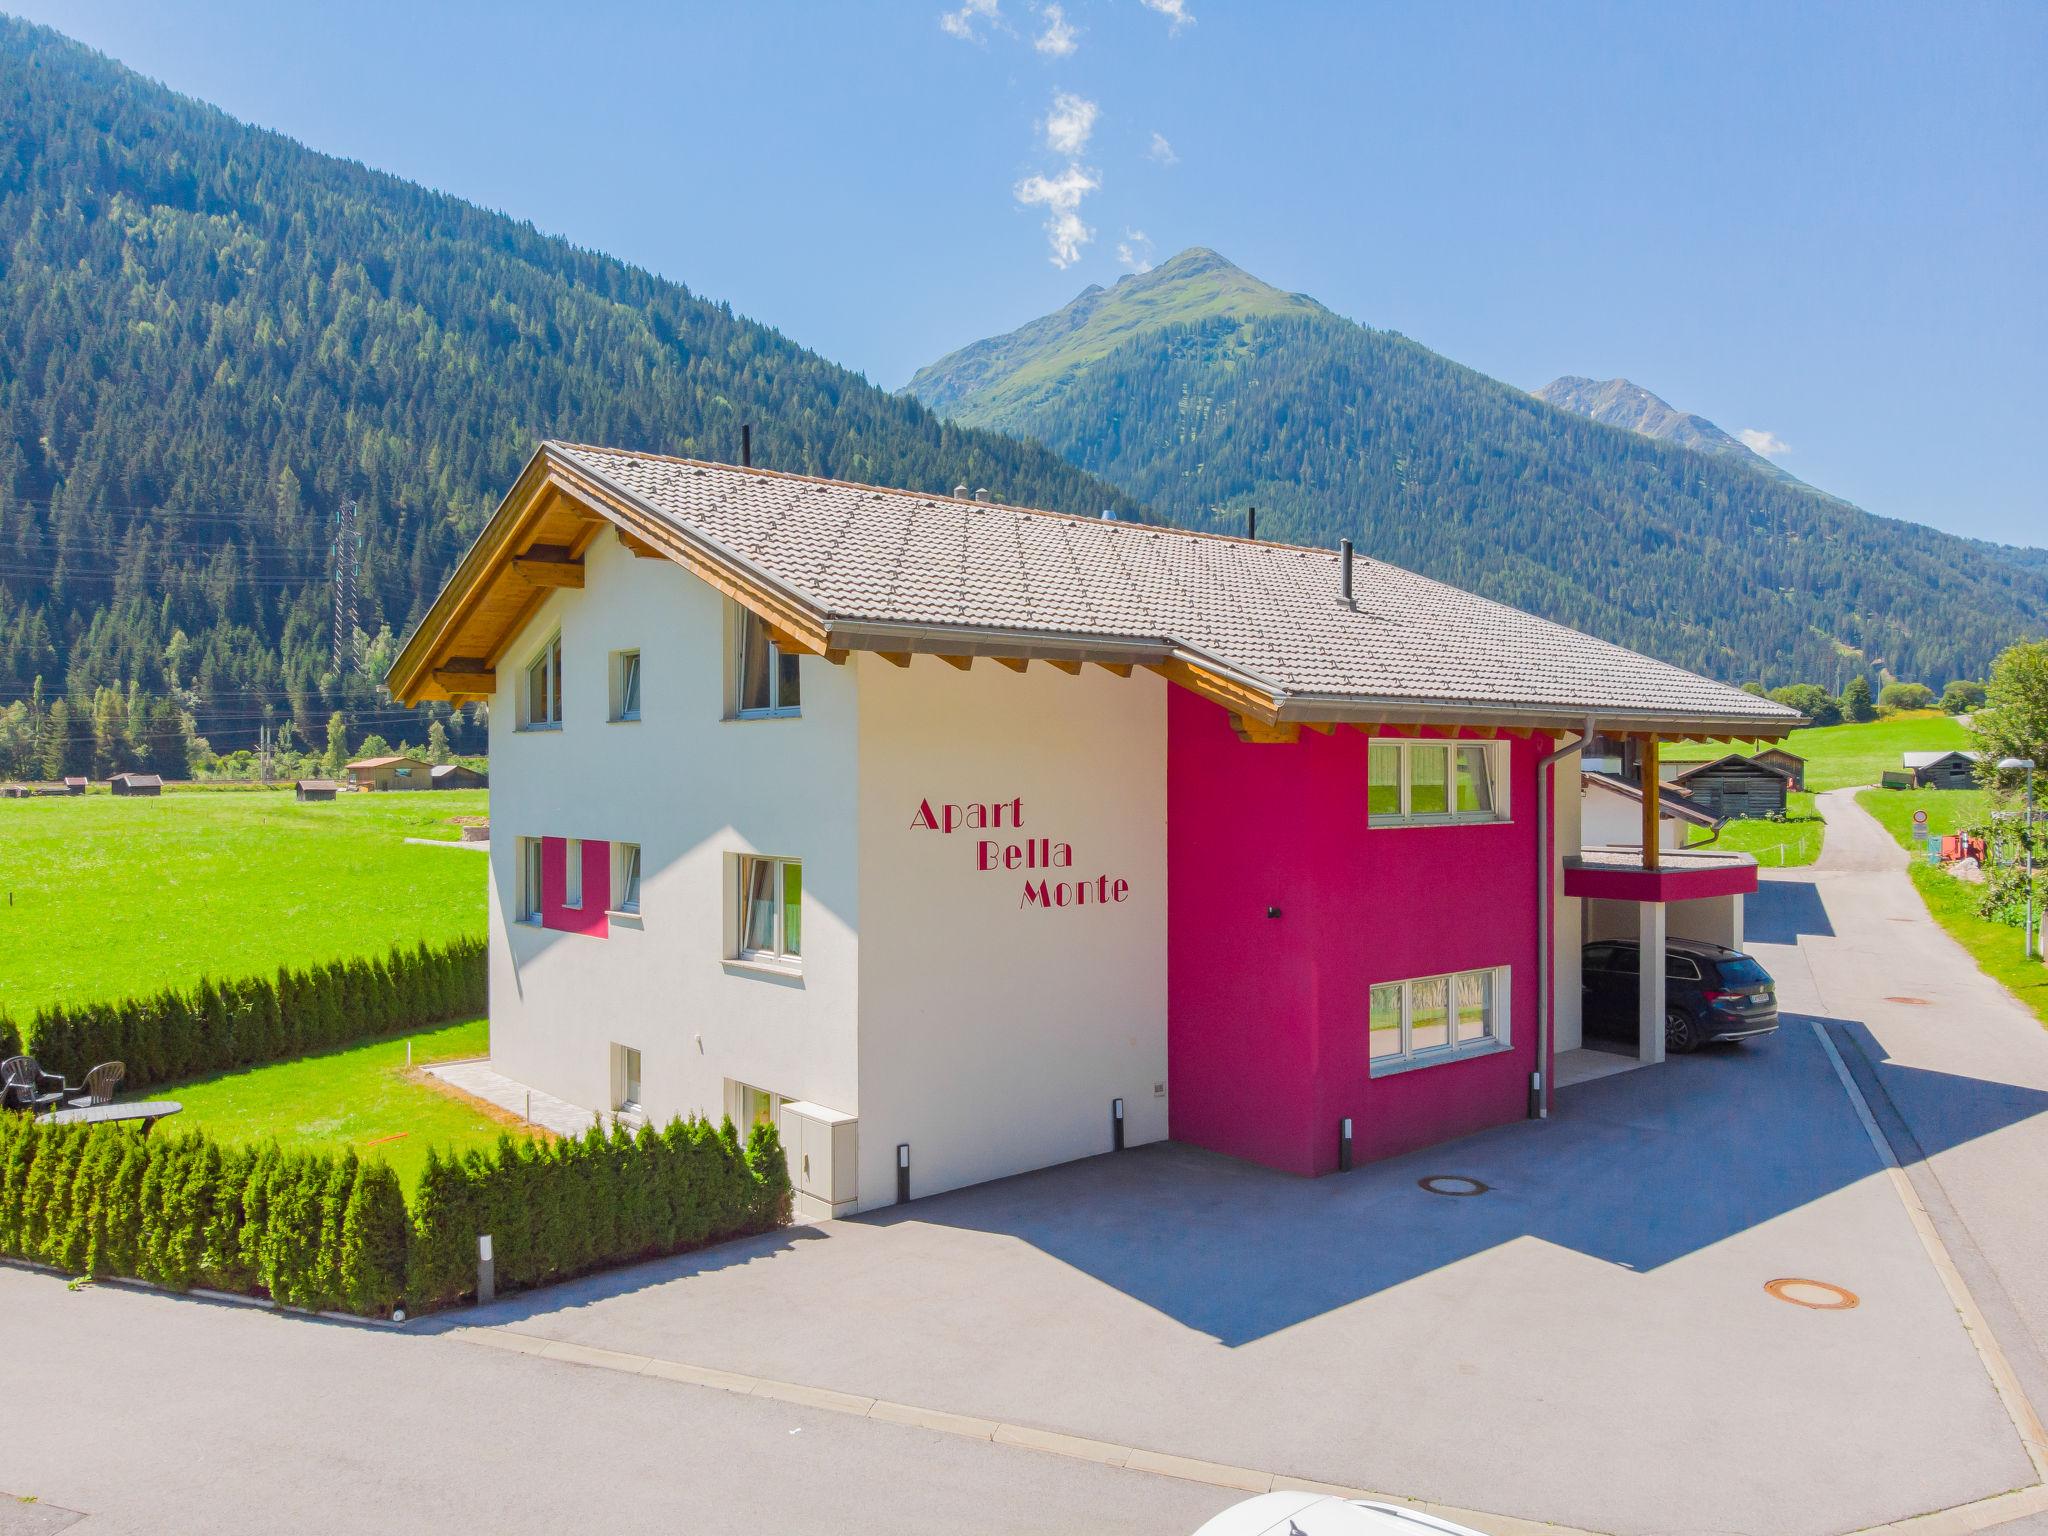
823, 1147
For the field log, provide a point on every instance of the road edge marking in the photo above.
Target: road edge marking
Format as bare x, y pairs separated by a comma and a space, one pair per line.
2012, 1396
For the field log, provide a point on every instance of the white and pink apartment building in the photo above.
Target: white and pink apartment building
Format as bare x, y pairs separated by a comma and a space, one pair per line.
962, 839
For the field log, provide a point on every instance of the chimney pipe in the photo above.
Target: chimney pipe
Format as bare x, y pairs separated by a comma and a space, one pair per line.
1344, 574
1251, 522
746, 445
960, 491
981, 493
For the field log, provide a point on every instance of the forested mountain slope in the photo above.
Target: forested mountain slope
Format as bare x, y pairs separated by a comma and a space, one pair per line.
1622, 403
212, 336
1333, 429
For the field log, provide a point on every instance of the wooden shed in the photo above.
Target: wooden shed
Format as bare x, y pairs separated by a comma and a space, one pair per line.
136, 784
1943, 770
396, 771
1791, 762
74, 783
1736, 786
456, 776
316, 789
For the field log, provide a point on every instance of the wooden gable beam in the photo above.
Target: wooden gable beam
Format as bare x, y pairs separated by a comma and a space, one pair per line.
1071, 668
642, 550
466, 676
895, 658
786, 641
1120, 668
962, 662
1262, 732
547, 567
1014, 663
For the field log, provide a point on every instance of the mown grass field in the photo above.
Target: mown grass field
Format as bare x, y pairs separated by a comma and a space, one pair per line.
103, 897
1996, 948
1776, 844
1840, 756
360, 1096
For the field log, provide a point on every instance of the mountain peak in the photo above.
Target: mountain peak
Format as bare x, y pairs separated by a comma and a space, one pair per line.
1623, 403
1195, 284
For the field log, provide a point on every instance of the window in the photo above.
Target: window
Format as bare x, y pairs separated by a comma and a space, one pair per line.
768, 682
527, 896
625, 685
770, 909
1436, 1018
625, 877
626, 1063
543, 695
1424, 783
572, 895
403, 773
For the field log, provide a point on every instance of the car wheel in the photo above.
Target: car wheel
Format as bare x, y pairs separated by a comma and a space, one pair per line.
1680, 1033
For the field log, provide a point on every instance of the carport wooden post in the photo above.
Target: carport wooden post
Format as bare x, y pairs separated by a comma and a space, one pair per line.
1650, 983
1652, 800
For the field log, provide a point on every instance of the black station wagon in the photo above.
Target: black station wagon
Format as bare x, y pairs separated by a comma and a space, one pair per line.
1710, 993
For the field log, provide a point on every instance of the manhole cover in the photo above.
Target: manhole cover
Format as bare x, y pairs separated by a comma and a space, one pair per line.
1911, 1002
1817, 1294
1453, 1184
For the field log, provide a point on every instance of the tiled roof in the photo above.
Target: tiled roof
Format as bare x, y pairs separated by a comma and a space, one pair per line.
1268, 611
385, 762
1671, 800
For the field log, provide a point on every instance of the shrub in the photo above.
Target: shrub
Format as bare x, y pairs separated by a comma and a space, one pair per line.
1961, 696
219, 1025
1811, 700
1905, 696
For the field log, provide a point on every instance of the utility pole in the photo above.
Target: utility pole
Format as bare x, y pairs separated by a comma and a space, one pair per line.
346, 551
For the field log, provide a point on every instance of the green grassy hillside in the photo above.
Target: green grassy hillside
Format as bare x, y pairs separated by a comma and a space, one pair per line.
110, 897
1200, 390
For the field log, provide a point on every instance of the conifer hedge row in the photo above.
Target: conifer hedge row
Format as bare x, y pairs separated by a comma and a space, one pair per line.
337, 1233
221, 1025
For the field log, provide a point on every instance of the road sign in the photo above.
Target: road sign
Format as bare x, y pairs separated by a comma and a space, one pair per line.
1919, 823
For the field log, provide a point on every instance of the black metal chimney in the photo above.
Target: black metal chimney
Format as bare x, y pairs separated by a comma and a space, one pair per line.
746, 445
1251, 522
1344, 574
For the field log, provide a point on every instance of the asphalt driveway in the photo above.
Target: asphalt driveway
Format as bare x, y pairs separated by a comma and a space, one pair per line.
1588, 1342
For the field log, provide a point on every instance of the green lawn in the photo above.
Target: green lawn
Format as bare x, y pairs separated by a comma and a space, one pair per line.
103, 897
360, 1096
1953, 903
1838, 756
1776, 844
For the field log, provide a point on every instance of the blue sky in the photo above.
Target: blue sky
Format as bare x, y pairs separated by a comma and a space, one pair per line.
1824, 223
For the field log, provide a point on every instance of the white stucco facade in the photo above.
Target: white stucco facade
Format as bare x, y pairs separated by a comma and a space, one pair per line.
986, 1058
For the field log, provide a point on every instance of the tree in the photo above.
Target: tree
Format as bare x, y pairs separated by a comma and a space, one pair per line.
374, 745
1961, 696
1856, 703
2014, 719
437, 743
1811, 700
1905, 696
337, 745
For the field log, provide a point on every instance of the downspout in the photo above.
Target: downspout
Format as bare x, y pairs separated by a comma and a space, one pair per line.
1546, 921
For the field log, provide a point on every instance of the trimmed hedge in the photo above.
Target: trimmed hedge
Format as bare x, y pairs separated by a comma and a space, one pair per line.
336, 1233
218, 1026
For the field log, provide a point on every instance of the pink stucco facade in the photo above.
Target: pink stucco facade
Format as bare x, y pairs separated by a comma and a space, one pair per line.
555, 911
1267, 1015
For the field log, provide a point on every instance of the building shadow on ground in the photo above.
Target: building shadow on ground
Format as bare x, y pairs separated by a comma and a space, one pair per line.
1636, 1170
1782, 910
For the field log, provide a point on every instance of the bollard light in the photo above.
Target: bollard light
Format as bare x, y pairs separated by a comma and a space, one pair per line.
1116, 1125
486, 1277
903, 1173
1344, 1146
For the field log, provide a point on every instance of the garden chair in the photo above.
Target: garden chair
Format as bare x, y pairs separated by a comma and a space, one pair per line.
100, 1084
25, 1085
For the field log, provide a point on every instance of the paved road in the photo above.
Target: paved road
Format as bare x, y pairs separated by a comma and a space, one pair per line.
1961, 1069
160, 1415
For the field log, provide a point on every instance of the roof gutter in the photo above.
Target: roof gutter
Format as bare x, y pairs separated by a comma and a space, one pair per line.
1546, 922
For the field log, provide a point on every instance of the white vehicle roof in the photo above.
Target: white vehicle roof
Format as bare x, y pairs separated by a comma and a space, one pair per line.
1323, 1514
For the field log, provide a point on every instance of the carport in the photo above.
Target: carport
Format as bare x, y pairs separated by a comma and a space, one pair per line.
1652, 895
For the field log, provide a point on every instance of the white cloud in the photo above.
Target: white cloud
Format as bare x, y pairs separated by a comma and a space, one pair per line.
1175, 11
1162, 151
1135, 250
1769, 444
1061, 196
1058, 38
1069, 123
961, 23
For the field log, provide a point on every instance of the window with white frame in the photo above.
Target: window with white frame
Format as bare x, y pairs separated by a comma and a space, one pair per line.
625, 685
1437, 1018
771, 895
1429, 783
572, 874
541, 699
526, 898
766, 678
625, 877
